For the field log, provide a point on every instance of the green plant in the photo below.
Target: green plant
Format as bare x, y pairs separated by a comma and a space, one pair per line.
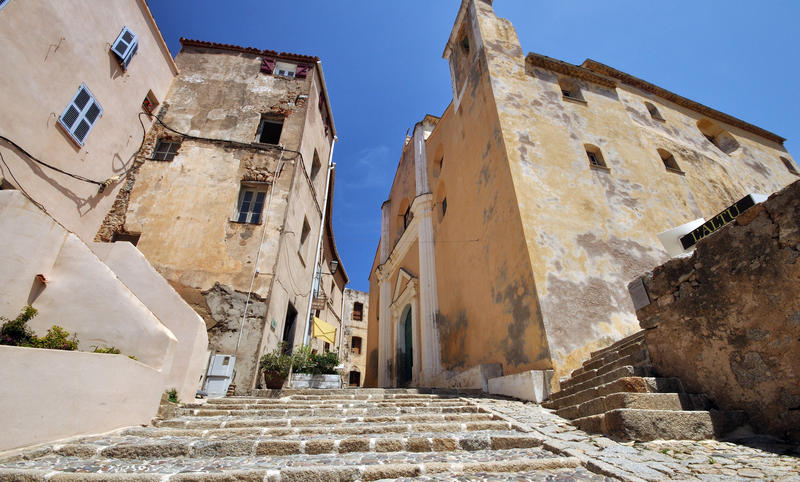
172, 395
303, 360
112, 350
57, 338
16, 332
325, 363
133, 357
276, 363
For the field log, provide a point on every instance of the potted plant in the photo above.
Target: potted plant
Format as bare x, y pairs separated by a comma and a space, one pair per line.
275, 366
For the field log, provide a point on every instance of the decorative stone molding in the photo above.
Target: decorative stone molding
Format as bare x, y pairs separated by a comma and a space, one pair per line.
402, 298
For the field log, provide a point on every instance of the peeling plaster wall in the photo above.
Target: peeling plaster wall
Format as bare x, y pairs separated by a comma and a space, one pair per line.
184, 209
727, 319
590, 231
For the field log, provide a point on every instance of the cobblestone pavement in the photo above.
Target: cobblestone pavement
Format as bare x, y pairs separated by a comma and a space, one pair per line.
764, 459
386, 437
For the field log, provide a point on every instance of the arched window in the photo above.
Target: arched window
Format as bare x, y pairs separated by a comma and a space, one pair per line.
440, 201
716, 135
669, 160
595, 156
654, 112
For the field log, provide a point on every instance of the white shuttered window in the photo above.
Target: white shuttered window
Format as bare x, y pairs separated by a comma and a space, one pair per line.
80, 115
125, 47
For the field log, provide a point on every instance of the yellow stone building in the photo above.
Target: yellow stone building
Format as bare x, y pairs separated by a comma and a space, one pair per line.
517, 218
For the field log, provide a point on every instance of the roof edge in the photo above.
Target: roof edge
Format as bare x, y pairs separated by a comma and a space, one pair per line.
248, 50
628, 79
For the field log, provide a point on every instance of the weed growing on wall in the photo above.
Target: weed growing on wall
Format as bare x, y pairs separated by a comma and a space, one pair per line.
16, 333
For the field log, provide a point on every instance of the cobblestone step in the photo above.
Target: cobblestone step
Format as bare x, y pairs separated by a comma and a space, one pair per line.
621, 385
630, 339
353, 429
639, 358
330, 412
240, 422
645, 425
284, 404
345, 467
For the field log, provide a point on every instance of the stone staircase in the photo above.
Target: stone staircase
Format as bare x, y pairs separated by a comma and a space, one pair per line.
352, 434
617, 393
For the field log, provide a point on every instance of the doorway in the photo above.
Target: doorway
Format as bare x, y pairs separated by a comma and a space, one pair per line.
289, 328
405, 351
355, 379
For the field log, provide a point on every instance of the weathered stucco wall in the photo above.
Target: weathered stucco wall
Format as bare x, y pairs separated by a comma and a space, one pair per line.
590, 230
726, 320
53, 48
184, 209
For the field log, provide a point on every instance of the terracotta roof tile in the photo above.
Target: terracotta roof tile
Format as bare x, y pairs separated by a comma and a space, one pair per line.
249, 50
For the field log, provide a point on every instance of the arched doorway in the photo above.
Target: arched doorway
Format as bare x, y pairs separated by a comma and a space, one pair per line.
405, 350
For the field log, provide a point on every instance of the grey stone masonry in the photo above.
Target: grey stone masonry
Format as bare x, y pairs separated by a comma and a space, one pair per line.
374, 434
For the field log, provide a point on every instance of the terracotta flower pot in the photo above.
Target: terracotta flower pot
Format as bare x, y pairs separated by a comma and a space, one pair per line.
274, 380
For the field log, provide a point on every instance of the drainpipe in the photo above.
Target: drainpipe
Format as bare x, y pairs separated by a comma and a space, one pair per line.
331, 167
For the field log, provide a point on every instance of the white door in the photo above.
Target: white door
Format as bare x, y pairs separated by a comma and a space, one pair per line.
220, 373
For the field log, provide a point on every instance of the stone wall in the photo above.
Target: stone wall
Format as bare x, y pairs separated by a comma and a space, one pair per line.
727, 319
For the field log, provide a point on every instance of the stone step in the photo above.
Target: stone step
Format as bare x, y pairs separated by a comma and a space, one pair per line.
645, 425
615, 373
146, 448
239, 422
649, 401
306, 404
634, 338
347, 467
632, 348
331, 412
302, 431
621, 385
640, 358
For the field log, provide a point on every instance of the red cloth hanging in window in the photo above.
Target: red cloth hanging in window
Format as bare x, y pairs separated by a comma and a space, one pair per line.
302, 71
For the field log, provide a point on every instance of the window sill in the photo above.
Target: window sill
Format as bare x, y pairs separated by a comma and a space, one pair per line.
264, 144
574, 99
234, 221
675, 171
600, 168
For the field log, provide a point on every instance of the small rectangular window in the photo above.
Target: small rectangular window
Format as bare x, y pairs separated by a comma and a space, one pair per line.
304, 238
125, 47
166, 150
355, 345
285, 69
269, 130
80, 115
790, 166
358, 311
150, 102
250, 206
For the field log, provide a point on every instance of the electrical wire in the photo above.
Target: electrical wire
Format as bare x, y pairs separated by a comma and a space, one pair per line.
19, 186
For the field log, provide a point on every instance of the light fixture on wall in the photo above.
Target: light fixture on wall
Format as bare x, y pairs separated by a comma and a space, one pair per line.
334, 266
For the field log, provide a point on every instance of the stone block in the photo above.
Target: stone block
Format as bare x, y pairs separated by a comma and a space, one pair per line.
389, 445
391, 471
418, 444
278, 447
532, 385
319, 446
354, 445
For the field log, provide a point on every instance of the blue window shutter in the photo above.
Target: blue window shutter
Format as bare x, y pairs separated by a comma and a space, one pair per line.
125, 47
80, 115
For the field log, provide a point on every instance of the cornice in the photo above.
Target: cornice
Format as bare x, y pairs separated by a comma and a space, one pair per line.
565, 68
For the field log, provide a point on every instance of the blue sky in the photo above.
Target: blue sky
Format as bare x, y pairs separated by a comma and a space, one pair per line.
384, 68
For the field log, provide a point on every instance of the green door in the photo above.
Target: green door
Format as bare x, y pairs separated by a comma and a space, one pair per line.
404, 377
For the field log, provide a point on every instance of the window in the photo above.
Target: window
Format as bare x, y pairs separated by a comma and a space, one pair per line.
570, 89
80, 115
285, 69
166, 150
269, 130
315, 167
358, 311
654, 112
407, 217
304, 239
132, 238
326, 347
150, 102
595, 156
125, 47
464, 42
250, 206
669, 160
355, 345
790, 166
3, 3
444, 206
717, 136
